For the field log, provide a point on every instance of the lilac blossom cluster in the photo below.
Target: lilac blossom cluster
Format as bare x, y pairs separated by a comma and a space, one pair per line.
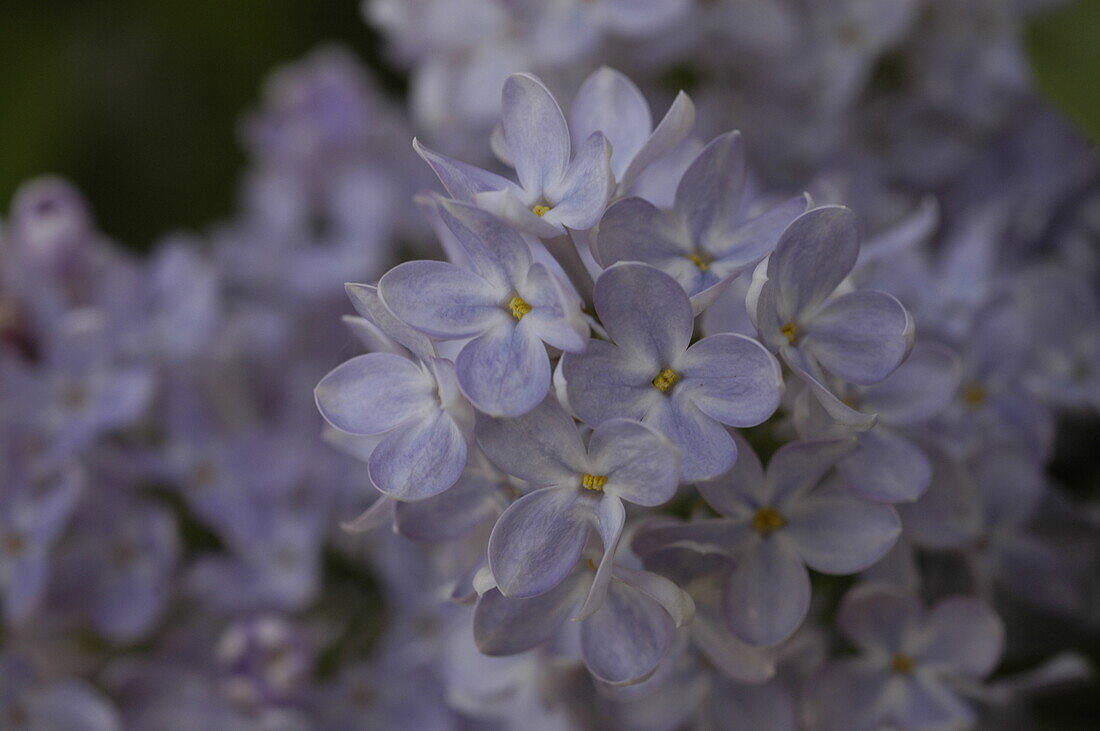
687, 428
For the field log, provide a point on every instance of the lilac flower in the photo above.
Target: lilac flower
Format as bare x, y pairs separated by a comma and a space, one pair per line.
34, 509
776, 524
538, 539
859, 336
650, 374
509, 305
415, 405
610, 103
622, 642
553, 192
911, 661
28, 703
706, 239
888, 466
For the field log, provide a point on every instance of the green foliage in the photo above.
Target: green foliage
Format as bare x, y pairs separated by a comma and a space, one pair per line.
1064, 47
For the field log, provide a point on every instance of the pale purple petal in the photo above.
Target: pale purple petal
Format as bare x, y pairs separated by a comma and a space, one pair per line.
812, 258
837, 534
506, 626
611, 103
862, 336
727, 493
709, 194
442, 300
461, 180
878, 618
507, 205
538, 540
919, 389
841, 412
641, 465
754, 239
610, 518
364, 298
625, 641
538, 137
607, 382
419, 459
964, 636
705, 535
768, 594
542, 447
798, 467
555, 316
925, 703
706, 448
886, 467
644, 311
505, 371
677, 602
633, 229
731, 378
471, 501
580, 198
499, 253
373, 393
671, 130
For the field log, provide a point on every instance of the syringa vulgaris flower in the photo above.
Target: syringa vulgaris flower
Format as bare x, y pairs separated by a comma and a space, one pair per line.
554, 192
538, 539
409, 398
509, 306
707, 238
773, 526
622, 641
888, 466
649, 373
911, 661
802, 312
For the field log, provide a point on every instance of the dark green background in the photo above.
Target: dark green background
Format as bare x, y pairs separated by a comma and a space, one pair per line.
137, 101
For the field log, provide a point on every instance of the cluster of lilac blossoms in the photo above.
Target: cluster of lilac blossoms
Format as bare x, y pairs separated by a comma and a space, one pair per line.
750, 388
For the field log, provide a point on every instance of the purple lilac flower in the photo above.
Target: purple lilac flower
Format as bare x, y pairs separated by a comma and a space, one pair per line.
622, 642
707, 239
648, 371
776, 524
508, 304
911, 661
858, 336
414, 404
553, 192
539, 538
28, 703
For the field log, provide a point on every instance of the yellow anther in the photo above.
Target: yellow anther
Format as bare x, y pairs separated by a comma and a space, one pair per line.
790, 331
591, 564
593, 482
902, 664
665, 380
701, 263
518, 307
540, 211
973, 394
767, 520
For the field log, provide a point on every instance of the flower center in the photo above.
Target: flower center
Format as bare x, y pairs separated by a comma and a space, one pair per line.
767, 520
518, 307
540, 210
665, 380
700, 263
790, 331
902, 664
973, 394
593, 482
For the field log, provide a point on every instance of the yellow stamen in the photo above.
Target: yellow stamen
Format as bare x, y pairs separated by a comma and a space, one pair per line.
902, 664
591, 564
699, 262
767, 520
593, 482
518, 307
973, 394
790, 331
665, 380
539, 210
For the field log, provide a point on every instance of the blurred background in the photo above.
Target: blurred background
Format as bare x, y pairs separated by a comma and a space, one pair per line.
137, 101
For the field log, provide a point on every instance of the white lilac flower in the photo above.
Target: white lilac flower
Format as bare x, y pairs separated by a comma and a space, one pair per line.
577, 485
803, 312
412, 402
912, 661
651, 372
707, 238
508, 304
773, 526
